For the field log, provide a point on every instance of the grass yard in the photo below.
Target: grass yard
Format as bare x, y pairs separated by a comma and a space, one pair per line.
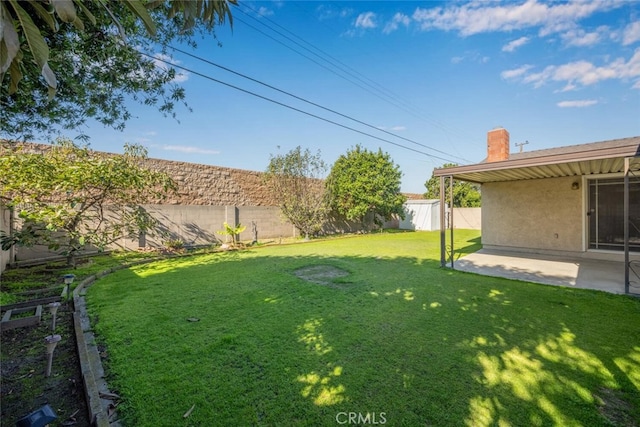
362, 330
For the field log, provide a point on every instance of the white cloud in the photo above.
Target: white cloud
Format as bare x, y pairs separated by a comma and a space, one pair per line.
568, 87
392, 128
580, 73
189, 149
366, 20
516, 72
471, 56
631, 33
479, 17
578, 104
579, 37
398, 18
514, 44
162, 62
325, 12
263, 11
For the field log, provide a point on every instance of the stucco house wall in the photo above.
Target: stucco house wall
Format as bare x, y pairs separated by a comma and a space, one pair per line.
530, 215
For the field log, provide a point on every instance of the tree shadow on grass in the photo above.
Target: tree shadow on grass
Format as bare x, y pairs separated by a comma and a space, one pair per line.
396, 336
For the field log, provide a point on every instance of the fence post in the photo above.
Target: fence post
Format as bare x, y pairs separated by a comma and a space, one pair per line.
231, 217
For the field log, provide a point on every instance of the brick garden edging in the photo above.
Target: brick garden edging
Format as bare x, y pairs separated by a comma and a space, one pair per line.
100, 403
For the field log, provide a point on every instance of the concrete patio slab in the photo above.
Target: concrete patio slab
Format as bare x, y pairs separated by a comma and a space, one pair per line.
583, 273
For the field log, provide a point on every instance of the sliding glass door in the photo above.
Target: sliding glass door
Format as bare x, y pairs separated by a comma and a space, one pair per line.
606, 214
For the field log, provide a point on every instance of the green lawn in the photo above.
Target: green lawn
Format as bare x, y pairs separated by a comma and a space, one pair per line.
397, 341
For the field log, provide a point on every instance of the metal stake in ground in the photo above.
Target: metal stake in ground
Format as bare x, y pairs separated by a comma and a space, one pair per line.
53, 309
51, 341
68, 280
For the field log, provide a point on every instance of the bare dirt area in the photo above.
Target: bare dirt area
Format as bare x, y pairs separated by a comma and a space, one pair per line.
321, 275
25, 388
615, 408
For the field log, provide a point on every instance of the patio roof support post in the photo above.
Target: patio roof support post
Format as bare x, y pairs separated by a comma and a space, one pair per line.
626, 225
451, 215
443, 258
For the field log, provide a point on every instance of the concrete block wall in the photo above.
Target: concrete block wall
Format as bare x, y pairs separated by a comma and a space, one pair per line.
213, 185
268, 220
467, 218
201, 225
207, 196
200, 184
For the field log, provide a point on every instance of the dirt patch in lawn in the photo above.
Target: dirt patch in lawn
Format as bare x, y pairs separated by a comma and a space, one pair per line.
615, 408
24, 387
325, 275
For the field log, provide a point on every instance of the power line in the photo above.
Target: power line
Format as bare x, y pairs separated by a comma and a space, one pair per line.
311, 102
342, 68
315, 62
292, 108
327, 57
391, 97
377, 95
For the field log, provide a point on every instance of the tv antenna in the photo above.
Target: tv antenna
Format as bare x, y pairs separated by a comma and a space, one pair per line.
521, 145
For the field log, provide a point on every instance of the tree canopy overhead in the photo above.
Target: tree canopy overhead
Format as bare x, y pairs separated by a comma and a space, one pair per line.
364, 182
65, 61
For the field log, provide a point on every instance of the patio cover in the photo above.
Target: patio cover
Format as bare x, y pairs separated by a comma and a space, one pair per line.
574, 160
614, 156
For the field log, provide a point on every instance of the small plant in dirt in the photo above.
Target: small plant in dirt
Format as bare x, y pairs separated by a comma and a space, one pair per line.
174, 245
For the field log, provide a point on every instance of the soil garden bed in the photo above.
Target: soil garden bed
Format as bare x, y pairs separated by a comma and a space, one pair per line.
24, 387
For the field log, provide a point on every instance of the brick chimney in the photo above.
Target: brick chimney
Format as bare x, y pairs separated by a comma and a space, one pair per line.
497, 145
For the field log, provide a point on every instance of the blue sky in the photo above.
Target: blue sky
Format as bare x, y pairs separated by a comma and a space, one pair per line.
433, 74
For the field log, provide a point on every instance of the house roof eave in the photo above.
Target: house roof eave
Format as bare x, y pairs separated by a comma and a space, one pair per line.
588, 159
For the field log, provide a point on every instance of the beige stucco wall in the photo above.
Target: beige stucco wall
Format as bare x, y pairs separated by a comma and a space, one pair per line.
467, 218
538, 214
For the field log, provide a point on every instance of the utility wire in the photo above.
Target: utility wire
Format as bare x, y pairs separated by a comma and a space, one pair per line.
315, 62
391, 97
311, 102
324, 57
341, 68
291, 108
377, 95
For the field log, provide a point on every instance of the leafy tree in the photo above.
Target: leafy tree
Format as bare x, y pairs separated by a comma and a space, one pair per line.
69, 197
63, 62
363, 182
465, 194
295, 182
